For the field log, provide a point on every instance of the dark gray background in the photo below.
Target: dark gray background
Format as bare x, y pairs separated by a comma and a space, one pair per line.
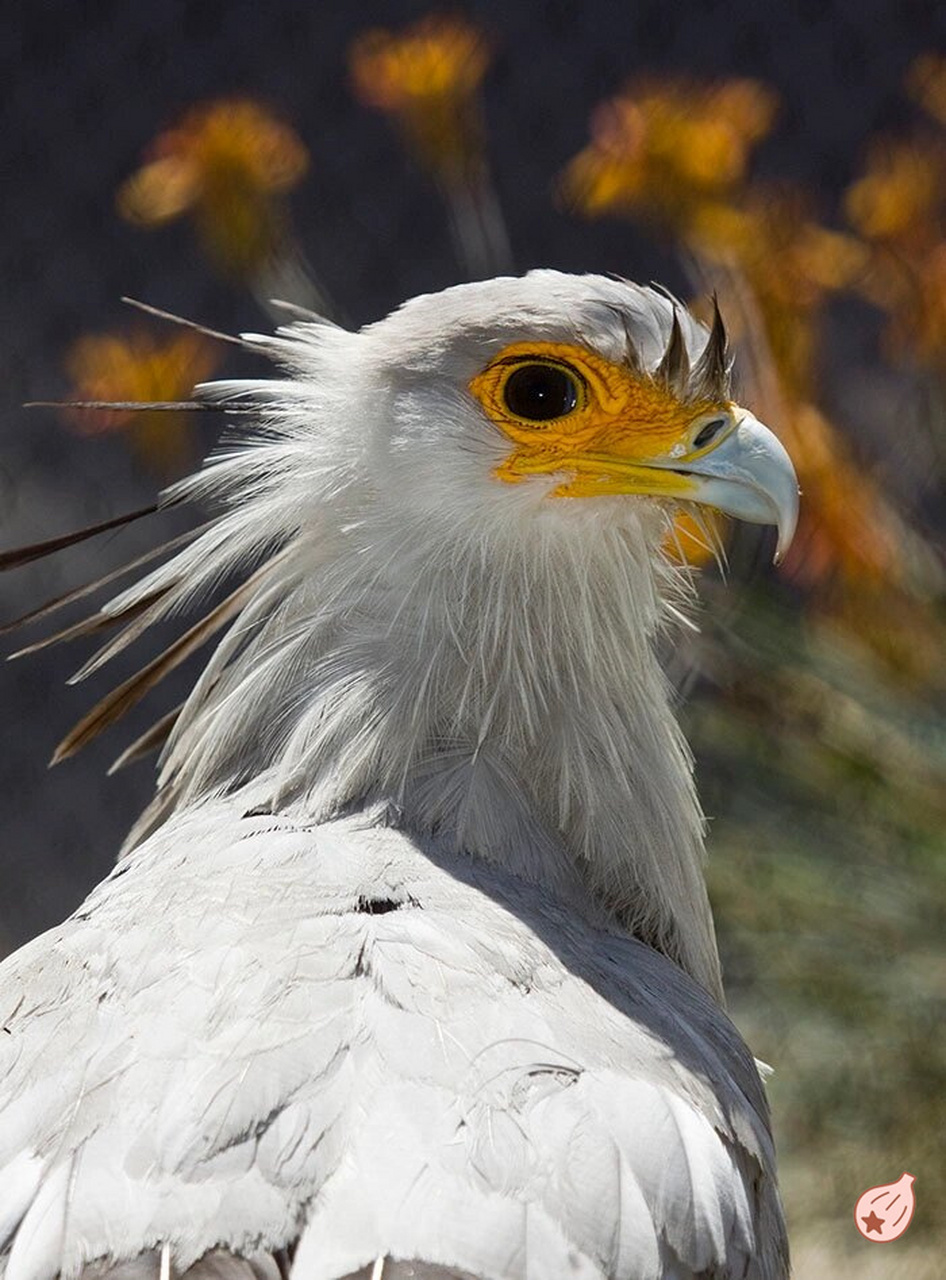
87, 83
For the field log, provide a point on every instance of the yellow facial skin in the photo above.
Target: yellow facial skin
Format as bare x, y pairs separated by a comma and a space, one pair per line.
622, 436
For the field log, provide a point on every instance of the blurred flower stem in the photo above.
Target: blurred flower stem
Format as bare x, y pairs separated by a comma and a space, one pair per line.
428, 78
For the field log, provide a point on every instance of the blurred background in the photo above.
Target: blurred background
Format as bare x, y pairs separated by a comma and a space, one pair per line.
207, 157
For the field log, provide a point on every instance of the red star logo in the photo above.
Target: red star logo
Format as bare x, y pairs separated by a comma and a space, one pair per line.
873, 1223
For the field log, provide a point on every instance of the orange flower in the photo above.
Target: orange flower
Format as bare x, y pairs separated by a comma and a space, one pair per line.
900, 200
772, 238
436, 59
913, 293
226, 163
789, 263
427, 77
661, 149
140, 368
899, 204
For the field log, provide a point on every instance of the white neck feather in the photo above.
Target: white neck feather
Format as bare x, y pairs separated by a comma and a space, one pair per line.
499, 691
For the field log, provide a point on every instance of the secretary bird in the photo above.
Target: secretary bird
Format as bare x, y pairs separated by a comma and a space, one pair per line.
409, 970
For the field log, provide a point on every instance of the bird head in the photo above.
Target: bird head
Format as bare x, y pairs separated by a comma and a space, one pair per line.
543, 392
454, 520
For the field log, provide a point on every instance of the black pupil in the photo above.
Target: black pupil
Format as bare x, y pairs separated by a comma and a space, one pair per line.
540, 392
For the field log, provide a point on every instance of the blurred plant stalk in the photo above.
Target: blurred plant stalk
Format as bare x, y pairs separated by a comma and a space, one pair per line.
427, 79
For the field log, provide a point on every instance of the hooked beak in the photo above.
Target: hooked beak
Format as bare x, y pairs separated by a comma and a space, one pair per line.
748, 475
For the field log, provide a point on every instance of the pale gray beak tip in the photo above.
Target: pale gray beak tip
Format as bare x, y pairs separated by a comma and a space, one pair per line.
787, 524
749, 475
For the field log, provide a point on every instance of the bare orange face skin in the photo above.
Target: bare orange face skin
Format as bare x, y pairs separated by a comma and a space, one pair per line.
623, 434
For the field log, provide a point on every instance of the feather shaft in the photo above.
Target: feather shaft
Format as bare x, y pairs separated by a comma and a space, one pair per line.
88, 588
85, 627
37, 550
160, 314
151, 740
139, 406
131, 691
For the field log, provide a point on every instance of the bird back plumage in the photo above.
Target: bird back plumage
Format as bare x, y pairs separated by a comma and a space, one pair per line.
351, 1044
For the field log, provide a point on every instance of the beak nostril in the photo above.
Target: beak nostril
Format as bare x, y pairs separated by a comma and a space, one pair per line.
708, 432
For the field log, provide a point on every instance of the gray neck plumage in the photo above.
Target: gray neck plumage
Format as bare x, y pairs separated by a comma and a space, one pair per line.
508, 703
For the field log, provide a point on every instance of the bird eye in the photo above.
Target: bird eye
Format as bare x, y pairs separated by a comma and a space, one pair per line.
541, 392
709, 431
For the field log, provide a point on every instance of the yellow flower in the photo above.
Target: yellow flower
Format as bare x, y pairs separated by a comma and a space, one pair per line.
789, 263
899, 204
663, 148
439, 58
777, 244
899, 201
226, 163
139, 367
427, 77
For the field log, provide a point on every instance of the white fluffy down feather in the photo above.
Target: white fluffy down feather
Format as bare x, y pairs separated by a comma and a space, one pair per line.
409, 970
